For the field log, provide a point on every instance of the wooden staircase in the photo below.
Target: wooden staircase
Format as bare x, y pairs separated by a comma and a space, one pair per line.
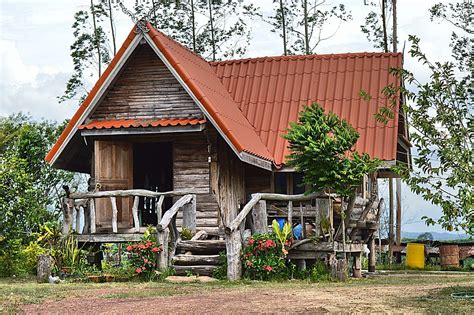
197, 257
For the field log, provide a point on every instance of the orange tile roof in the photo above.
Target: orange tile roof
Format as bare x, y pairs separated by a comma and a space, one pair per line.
137, 123
271, 91
253, 100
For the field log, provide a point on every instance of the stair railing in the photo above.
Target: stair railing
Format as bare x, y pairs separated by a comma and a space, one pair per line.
257, 206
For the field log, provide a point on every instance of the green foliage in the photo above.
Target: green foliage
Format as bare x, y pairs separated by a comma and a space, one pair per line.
263, 258
29, 187
186, 234
322, 148
220, 272
440, 112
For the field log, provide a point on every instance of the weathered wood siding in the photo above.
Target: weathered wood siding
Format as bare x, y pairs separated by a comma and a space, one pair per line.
146, 89
191, 171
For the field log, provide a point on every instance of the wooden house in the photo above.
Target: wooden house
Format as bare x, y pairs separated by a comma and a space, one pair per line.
163, 129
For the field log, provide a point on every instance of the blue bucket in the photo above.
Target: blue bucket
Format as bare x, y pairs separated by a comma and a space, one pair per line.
298, 232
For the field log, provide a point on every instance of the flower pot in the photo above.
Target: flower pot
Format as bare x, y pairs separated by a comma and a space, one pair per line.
96, 279
109, 278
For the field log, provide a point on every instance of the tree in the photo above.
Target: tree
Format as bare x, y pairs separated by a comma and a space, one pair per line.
90, 50
377, 25
440, 113
301, 23
29, 187
322, 148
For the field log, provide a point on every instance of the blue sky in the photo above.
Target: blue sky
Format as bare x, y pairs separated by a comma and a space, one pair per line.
35, 36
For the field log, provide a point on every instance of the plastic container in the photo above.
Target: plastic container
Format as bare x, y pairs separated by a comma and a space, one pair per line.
449, 256
416, 255
298, 232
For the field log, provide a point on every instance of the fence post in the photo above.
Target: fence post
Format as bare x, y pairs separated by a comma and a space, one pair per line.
233, 247
189, 215
260, 219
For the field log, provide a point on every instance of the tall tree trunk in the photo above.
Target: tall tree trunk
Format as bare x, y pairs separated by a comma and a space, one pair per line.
112, 28
193, 27
153, 3
283, 26
96, 38
306, 33
211, 21
394, 26
384, 25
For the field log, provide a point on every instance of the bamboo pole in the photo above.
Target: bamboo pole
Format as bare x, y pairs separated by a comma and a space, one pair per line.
92, 215
113, 201
136, 222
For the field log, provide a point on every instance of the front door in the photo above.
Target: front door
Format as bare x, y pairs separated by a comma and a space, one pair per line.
113, 171
153, 170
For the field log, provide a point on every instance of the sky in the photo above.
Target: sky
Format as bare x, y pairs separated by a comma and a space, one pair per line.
35, 62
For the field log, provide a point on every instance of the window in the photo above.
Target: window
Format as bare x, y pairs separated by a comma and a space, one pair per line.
289, 183
298, 185
280, 183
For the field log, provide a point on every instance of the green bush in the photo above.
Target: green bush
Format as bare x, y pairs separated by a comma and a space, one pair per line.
221, 270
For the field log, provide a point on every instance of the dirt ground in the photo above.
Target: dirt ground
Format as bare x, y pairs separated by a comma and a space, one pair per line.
362, 297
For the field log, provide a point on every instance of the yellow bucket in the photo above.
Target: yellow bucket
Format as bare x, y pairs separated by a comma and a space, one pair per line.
416, 255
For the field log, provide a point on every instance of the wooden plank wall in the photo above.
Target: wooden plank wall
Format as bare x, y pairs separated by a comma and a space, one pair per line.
191, 170
257, 180
146, 89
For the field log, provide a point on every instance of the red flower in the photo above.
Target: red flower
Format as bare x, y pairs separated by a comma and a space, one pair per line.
251, 241
270, 243
138, 270
249, 263
268, 268
155, 249
129, 247
141, 246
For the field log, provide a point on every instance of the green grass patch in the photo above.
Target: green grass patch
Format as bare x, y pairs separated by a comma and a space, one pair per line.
441, 301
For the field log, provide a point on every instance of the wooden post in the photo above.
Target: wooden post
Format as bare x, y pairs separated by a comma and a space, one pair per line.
92, 215
290, 212
87, 219
260, 219
317, 219
390, 220
43, 269
173, 238
159, 208
189, 215
372, 254
67, 215
302, 222
398, 192
136, 221
233, 246
113, 201
162, 239
357, 269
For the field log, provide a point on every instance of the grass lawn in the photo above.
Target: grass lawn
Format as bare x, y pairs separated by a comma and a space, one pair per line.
429, 293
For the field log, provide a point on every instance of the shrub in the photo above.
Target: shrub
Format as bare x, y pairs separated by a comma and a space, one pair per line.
263, 258
220, 272
144, 257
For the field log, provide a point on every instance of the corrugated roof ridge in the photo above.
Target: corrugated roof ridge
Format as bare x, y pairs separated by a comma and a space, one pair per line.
304, 57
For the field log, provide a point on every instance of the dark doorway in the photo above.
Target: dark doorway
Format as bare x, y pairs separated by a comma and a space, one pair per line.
152, 170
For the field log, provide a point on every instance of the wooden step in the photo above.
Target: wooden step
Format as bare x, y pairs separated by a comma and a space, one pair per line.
211, 222
187, 260
202, 246
202, 270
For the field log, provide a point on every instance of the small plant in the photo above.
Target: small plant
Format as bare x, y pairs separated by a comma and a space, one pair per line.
282, 234
186, 234
221, 270
263, 258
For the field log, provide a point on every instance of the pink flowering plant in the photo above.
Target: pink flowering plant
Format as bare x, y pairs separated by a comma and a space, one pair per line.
143, 257
263, 258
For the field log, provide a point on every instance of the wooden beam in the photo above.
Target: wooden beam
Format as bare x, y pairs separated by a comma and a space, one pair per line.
242, 214
233, 248
109, 238
159, 208
162, 239
189, 215
141, 131
92, 215
290, 212
372, 254
126, 193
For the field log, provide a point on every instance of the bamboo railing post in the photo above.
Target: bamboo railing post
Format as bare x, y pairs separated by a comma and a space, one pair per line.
92, 215
136, 222
67, 215
290, 212
303, 231
162, 239
189, 215
78, 219
159, 207
113, 200
260, 219
317, 219
174, 238
233, 247
87, 219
